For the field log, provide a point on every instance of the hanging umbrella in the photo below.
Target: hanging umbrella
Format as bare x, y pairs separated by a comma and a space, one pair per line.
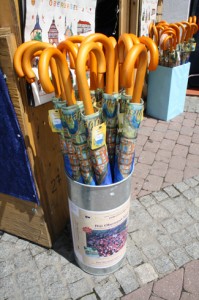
133, 111
92, 117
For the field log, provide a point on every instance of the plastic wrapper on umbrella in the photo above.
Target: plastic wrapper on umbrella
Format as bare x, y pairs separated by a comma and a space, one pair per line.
133, 111
72, 116
99, 155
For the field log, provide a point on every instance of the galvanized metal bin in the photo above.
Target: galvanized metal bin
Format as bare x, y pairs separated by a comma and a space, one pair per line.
99, 220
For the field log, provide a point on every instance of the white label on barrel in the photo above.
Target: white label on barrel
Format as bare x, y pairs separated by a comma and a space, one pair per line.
99, 237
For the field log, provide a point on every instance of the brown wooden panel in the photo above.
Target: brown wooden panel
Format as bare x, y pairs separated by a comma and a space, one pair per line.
24, 219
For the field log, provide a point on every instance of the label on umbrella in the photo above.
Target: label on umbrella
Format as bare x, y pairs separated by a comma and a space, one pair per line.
54, 120
98, 136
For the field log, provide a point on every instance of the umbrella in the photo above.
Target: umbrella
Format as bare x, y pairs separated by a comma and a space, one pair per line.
133, 111
92, 117
72, 164
153, 33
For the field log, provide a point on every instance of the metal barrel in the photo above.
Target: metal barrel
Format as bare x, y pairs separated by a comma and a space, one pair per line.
99, 221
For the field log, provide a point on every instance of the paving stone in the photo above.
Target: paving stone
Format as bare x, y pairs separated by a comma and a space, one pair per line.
191, 116
155, 229
49, 257
6, 250
135, 205
161, 127
193, 211
27, 279
193, 230
24, 259
190, 193
163, 265
167, 145
79, 288
127, 279
146, 273
184, 140
143, 217
141, 237
189, 122
147, 200
195, 201
173, 176
191, 277
152, 146
160, 195
170, 286
58, 290
197, 178
6, 268
195, 138
136, 186
178, 119
155, 298
171, 135
180, 150
185, 130
152, 250
50, 275
193, 249
153, 183
183, 218
35, 249
181, 186
190, 172
163, 156
182, 238
179, 257
158, 212
188, 296
141, 170
167, 242
141, 140
108, 291
171, 191
175, 126
196, 129
146, 157
140, 294
177, 162
133, 254
171, 225
194, 149
9, 238
157, 136
159, 168
71, 273
32, 293
193, 161
150, 122
172, 206
191, 182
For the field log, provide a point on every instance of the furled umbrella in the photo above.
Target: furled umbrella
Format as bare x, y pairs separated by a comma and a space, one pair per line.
91, 116
133, 111
46, 56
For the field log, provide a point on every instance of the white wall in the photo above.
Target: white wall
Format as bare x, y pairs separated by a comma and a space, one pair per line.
175, 10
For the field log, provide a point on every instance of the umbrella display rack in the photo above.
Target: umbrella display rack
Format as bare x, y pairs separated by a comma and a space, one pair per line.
167, 91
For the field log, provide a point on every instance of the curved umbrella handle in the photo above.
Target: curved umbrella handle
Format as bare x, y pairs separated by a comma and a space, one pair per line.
167, 43
153, 33
36, 50
193, 30
76, 39
69, 47
110, 57
153, 49
179, 24
125, 43
177, 31
116, 65
138, 51
63, 69
84, 50
17, 60
187, 29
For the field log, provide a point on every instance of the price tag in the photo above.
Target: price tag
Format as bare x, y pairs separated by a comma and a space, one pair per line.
98, 136
55, 120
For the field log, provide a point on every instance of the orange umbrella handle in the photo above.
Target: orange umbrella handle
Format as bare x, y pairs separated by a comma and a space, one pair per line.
69, 47
153, 49
116, 65
167, 43
154, 34
84, 50
187, 29
138, 51
179, 24
62, 66
193, 30
110, 57
17, 60
177, 31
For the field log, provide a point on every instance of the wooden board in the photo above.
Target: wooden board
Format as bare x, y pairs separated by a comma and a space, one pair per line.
24, 219
128, 16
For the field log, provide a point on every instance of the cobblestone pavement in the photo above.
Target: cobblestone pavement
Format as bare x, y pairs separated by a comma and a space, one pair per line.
162, 258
